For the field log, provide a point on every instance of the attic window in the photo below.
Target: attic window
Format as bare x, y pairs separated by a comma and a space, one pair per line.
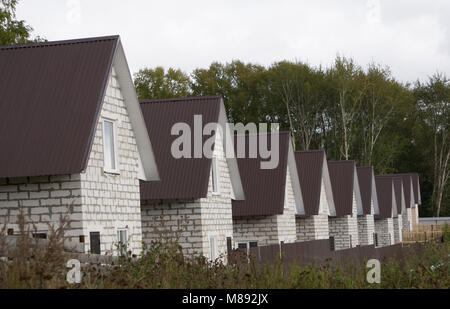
110, 146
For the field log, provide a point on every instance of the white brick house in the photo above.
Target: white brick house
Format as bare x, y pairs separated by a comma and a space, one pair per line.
84, 145
384, 220
401, 208
347, 200
191, 204
366, 222
417, 199
317, 195
408, 192
272, 197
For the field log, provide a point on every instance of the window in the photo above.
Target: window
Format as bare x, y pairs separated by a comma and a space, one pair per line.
375, 239
213, 248
247, 246
40, 235
214, 175
109, 146
94, 238
332, 246
122, 240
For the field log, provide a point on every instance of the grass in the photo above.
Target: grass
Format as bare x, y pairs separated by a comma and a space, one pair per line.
163, 265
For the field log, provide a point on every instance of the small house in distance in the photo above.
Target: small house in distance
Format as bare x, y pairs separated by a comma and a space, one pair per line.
417, 199
384, 225
408, 193
347, 200
366, 223
317, 195
272, 196
191, 204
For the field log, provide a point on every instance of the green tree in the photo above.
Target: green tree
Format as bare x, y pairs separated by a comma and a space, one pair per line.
433, 101
159, 84
13, 31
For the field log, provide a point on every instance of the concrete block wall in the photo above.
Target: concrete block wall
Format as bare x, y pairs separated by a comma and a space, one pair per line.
173, 221
398, 225
44, 200
111, 202
366, 229
315, 227
193, 223
385, 231
407, 220
267, 230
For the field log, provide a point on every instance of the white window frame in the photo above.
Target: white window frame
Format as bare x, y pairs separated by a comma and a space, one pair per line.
247, 243
107, 169
215, 176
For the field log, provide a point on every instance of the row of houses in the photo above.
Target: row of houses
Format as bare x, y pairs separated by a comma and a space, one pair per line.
74, 139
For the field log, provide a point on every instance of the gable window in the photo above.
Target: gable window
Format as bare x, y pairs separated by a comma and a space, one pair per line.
215, 175
109, 146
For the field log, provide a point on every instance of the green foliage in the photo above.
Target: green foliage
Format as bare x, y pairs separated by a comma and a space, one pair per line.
158, 84
13, 31
446, 234
357, 113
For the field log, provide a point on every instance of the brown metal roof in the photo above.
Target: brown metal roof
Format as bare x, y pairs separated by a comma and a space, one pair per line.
50, 99
398, 189
365, 176
342, 177
184, 178
310, 171
416, 187
384, 194
264, 189
407, 180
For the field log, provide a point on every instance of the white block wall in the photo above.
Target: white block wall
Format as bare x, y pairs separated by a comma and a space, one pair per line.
341, 228
385, 231
398, 229
366, 229
268, 230
193, 223
112, 201
315, 227
407, 220
44, 201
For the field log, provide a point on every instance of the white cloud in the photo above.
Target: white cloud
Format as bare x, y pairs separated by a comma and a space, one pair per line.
412, 37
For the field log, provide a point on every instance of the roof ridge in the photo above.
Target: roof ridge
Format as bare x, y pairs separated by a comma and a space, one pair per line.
61, 42
195, 98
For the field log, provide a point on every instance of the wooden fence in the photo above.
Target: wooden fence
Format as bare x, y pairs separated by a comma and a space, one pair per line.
422, 236
318, 252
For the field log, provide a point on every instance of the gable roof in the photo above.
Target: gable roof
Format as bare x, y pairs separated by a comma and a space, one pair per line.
398, 189
365, 177
385, 193
310, 172
264, 188
416, 188
407, 184
51, 96
342, 175
183, 178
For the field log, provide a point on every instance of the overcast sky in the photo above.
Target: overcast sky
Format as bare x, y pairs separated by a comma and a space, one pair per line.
410, 36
